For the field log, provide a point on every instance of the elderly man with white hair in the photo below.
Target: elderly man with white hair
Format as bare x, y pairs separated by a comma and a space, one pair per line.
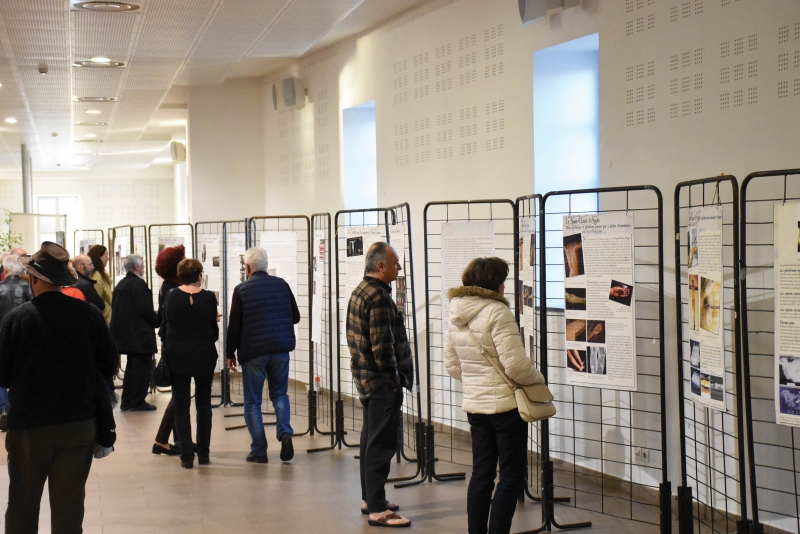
13, 292
261, 330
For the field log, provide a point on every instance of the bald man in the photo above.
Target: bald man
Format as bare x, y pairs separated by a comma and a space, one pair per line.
84, 267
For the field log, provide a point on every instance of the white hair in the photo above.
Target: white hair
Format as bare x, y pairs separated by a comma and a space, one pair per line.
11, 265
132, 262
256, 258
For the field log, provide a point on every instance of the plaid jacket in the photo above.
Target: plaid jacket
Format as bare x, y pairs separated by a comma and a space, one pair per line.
376, 335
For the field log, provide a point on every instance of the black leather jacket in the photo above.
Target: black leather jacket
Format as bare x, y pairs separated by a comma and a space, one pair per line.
13, 292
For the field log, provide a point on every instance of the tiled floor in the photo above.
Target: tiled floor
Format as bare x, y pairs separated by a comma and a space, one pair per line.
135, 491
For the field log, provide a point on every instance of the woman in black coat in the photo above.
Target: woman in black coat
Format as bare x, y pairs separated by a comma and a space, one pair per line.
190, 316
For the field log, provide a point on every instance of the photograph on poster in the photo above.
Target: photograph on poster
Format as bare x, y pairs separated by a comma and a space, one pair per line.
695, 381
527, 296
620, 292
575, 298
694, 353
576, 330
691, 246
322, 250
520, 291
401, 298
215, 261
521, 253
576, 360
355, 246
573, 256
597, 360
694, 302
789, 401
203, 253
205, 281
401, 283
717, 388
789, 371
709, 304
595, 331
705, 384
532, 250
314, 263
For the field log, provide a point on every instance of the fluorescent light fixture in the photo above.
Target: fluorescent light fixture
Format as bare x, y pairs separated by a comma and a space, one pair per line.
106, 7
11, 120
98, 65
90, 135
100, 59
90, 123
93, 111
94, 99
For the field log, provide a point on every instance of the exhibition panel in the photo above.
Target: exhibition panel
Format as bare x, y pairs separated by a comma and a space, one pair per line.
770, 261
141, 247
231, 264
120, 244
322, 394
712, 492
287, 240
457, 232
86, 239
602, 331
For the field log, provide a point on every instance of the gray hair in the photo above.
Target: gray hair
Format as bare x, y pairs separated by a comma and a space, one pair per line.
378, 252
132, 262
256, 258
11, 265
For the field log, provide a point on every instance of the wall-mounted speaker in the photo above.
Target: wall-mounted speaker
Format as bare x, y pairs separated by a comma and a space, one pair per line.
533, 10
177, 151
289, 93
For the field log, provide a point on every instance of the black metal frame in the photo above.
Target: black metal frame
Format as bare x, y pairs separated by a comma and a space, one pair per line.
76, 241
563, 395
770, 446
701, 433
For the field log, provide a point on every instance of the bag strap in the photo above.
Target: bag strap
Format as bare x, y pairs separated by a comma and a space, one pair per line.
494, 362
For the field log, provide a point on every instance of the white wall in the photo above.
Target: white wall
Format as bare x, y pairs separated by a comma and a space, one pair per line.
226, 151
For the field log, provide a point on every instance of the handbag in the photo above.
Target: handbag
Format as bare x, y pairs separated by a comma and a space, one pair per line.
534, 402
162, 376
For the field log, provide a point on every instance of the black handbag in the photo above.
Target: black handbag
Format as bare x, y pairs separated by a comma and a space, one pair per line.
162, 376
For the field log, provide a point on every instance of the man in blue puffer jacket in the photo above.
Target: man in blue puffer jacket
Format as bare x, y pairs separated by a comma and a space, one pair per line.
261, 329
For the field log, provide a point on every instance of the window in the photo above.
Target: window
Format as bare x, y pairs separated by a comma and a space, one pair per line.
69, 205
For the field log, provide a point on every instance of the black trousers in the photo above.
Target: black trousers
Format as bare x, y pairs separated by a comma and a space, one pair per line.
378, 444
136, 383
182, 396
503, 437
167, 425
60, 455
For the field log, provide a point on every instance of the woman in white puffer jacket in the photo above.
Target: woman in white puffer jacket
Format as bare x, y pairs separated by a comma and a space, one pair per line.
479, 313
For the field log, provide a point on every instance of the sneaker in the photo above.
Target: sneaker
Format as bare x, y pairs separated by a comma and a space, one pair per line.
257, 459
3, 420
287, 449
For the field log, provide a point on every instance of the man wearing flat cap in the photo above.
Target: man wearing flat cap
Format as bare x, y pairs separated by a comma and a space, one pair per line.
51, 349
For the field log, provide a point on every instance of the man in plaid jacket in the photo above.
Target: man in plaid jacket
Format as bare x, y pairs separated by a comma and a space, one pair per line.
381, 364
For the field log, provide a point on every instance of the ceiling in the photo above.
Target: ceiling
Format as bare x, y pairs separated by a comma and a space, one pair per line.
165, 46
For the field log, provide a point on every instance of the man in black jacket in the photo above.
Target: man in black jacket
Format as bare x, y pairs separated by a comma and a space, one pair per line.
84, 267
51, 351
13, 292
133, 323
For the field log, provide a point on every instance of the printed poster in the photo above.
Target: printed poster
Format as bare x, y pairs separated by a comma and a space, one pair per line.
85, 244
357, 242
281, 250
706, 332
526, 288
318, 282
462, 242
165, 241
118, 256
234, 271
598, 300
397, 239
787, 313
208, 248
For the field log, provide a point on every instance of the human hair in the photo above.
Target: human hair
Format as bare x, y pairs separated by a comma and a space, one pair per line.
132, 262
167, 262
189, 270
11, 265
256, 258
95, 253
378, 252
487, 273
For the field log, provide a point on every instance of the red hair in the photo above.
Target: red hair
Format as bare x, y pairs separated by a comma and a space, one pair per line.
167, 263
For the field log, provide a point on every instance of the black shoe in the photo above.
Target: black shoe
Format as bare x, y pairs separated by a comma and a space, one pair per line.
171, 451
257, 459
188, 465
124, 407
203, 460
143, 407
3, 420
287, 449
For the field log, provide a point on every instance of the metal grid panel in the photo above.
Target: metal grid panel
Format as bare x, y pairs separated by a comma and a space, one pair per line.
593, 435
141, 247
773, 450
300, 363
712, 441
79, 235
451, 429
323, 351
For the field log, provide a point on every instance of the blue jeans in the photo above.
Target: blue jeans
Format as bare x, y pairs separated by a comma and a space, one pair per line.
4, 406
275, 368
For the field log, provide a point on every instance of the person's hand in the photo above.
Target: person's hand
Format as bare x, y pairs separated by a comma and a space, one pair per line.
219, 316
231, 362
620, 292
574, 358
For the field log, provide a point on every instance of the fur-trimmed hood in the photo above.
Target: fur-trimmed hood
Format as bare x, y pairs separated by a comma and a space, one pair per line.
467, 301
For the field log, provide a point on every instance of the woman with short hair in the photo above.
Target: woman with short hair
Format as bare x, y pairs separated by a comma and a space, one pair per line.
190, 333
480, 318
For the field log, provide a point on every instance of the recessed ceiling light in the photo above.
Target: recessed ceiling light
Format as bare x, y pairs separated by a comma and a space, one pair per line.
90, 123
94, 99
93, 111
100, 59
98, 65
108, 7
11, 120
88, 141
90, 135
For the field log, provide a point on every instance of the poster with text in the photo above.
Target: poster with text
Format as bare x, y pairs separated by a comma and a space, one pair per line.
462, 242
787, 313
598, 300
318, 254
357, 242
706, 331
209, 252
397, 239
281, 250
85, 244
118, 256
165, 241
526, 290
234, 264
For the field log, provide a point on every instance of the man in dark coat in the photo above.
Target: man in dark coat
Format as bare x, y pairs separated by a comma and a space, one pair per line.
133, 323
84, 267
13, 292
53, 349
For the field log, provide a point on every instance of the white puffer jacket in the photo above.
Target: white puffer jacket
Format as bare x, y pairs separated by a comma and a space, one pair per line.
488, 316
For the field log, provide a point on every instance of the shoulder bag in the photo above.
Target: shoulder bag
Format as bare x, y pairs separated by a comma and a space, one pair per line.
534, 402
162, 377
